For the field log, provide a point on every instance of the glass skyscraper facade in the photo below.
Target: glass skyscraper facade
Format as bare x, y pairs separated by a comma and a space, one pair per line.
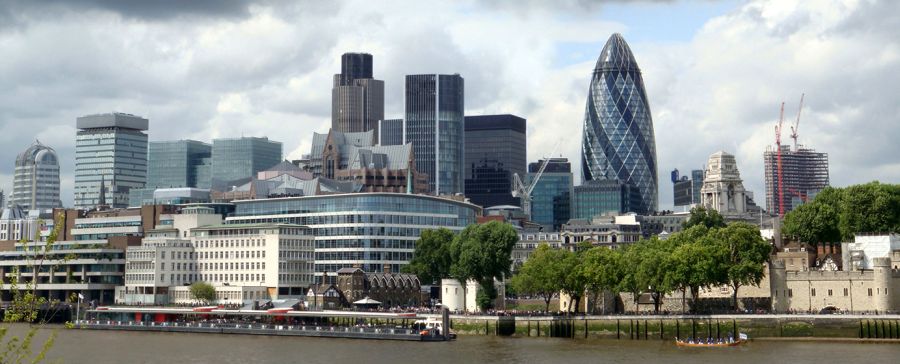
435, 118
495, 150
110, 156
619, 143
36, 179
551, 198
390, 132
237, 158
357, 99
179, 163
601, 197
373, 231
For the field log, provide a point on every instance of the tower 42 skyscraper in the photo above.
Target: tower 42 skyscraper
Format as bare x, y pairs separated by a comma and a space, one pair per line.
619, 143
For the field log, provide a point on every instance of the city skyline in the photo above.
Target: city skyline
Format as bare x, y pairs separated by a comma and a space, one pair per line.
222, 85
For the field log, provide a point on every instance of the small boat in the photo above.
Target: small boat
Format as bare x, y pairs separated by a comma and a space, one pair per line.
712, 343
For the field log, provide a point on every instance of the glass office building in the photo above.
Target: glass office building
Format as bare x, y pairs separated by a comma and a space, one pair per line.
357, 99
604, 197
36, 179
374, 231
435, 118
390, 132
619, 143
110, 156
551, 198
179, 163
237, 158
495, 150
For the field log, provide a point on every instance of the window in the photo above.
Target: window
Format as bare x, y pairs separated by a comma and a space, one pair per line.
829, 293
870, 292
812, 292
846, 292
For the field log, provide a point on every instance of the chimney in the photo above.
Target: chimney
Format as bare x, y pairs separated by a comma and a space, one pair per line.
387, 268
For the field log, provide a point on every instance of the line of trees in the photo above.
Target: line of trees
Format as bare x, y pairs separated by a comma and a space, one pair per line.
707, 253
836, 214
481, 252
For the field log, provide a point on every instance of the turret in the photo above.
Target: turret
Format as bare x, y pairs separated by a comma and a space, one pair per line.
778, 286
882, 295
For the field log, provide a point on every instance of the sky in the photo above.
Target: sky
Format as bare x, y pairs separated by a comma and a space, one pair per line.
716, 72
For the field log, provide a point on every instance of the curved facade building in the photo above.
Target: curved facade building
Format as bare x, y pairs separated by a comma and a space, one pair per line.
36, 180
619, 142
374, 231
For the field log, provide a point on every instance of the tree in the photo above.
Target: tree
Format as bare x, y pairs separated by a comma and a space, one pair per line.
814, 222
203, 292
432, 259
694, 262
746, 253
540, 275
573, 281
652, 255
602, 271
701, 216
482, 253
869, 208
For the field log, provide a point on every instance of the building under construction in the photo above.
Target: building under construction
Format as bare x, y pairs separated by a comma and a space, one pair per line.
804, 172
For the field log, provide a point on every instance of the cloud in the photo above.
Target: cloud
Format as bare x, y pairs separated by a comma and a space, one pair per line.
210, 69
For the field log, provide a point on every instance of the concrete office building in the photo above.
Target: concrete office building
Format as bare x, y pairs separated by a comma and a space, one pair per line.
375, 232
618, 140
552, 197
357, 99
110, 159
434, 124
602, 197
495, 149
240, 158
36, 179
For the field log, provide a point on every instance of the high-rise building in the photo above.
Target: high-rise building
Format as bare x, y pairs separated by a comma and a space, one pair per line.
601, 197
434, 124
179, 163
36, 179
110, 158
804, 172
619, 143
240, 158
390, 132
495, 150
686, 190
551, 198
357, 99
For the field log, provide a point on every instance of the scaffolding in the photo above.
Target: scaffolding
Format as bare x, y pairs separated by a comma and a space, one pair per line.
804, 173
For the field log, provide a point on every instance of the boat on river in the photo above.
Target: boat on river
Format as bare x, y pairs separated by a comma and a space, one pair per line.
712, 343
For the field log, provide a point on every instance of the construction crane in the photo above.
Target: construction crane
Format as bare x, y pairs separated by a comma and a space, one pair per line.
796, 125
778, 145
523, 191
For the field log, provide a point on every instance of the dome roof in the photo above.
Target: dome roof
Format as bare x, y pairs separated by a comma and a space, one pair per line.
37, 153
616, 55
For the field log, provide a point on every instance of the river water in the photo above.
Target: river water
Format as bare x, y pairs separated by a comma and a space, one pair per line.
87, 346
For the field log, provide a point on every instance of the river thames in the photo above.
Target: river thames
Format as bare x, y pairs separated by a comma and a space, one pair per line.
87, 346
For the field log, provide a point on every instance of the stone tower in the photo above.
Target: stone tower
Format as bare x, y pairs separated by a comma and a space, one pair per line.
882, 281
778, 286
723, 189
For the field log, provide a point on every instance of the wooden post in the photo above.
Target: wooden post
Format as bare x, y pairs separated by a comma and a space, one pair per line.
631, 331
661, 330
734, 333
677, 329
539, 328
528, 334
585, 327
618, 333
693, 329
646, 331
718, 334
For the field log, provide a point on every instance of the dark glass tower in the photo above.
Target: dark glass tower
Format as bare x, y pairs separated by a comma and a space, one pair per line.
434, 121
551, 199
619, 144
495, 150
390, 132
357, 99
178, 163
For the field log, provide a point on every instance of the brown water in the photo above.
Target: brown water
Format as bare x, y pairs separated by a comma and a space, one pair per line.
87, 346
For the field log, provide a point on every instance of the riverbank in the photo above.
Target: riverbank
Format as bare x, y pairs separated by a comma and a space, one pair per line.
870, 327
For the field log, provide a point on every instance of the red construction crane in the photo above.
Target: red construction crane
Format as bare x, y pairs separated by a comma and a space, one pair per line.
778, 145
796, 125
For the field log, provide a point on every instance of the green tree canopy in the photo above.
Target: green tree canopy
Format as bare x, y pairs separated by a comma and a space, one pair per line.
814, 222
746, 253
203, 292
869, 208
482, 253
432, 258
701, 216
694, 262
602, 270
541, 274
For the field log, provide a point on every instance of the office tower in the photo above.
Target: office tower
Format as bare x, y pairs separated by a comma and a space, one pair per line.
178, 163
686, 189
357, 99
601, 197
390, 132
2, 199
110, 158
619, 144
804, 172
240, 158
36, 179
551, 198
434, 118
494, 150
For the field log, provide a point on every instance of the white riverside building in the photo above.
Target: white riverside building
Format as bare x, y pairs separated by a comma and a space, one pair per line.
373, 231
243, 262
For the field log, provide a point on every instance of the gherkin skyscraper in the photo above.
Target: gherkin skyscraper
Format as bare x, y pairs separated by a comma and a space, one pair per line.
618, 142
